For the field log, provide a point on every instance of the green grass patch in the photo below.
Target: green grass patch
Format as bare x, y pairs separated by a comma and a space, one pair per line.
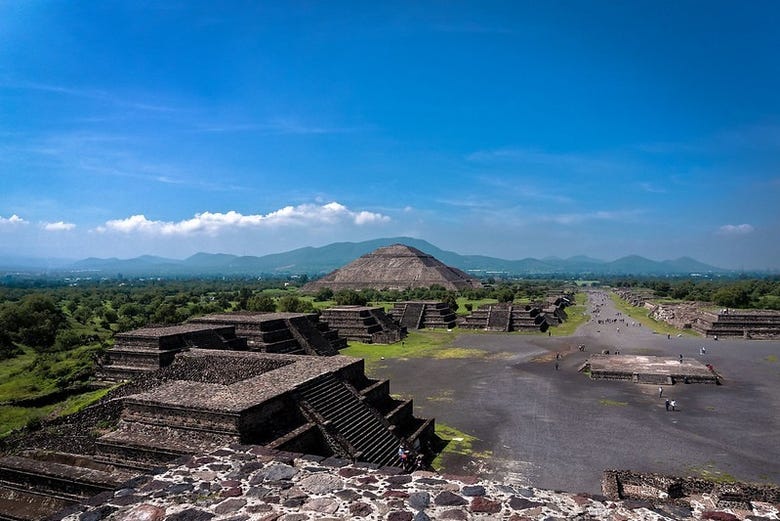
612, 403
710, 472
772, 359
424, 343
76, 403
16, 417
445, 395
642, 316
12, 417
457, 442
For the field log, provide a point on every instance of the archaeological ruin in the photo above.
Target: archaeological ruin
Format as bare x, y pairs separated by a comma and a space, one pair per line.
506, 317
291, 333
422, 314
191, 393
723, 323
367, 324
394, 267
646, 369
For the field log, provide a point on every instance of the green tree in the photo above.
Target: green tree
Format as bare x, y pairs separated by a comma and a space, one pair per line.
34, 321
323, 295
293, 304
348, 297
261, 303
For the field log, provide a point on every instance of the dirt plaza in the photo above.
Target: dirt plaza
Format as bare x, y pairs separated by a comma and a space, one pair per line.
556, 428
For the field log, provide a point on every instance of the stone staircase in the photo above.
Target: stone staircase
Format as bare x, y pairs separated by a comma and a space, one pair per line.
412, 315
422, 314
360, 431
499, 318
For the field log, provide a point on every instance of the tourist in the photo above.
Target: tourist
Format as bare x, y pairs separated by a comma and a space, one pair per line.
667, 403
681, 357
673, 404
660, 391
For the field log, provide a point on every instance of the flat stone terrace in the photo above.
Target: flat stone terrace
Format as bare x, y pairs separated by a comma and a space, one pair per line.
241, 483
243, 394
649, 369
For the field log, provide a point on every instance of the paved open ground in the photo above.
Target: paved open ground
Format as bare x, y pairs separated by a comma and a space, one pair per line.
559, 429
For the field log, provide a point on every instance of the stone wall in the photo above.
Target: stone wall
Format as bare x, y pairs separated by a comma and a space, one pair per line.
243, 483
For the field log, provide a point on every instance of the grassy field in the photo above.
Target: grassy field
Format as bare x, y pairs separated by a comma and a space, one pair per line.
423, 343
32, 375
642, 316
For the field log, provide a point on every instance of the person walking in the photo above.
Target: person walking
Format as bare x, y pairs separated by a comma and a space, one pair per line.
660, 391
667, 403
673, 404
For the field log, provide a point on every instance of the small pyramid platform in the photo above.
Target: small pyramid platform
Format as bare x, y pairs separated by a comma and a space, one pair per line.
394, 267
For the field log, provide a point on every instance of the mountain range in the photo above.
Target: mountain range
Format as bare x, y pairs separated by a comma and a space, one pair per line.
321, 260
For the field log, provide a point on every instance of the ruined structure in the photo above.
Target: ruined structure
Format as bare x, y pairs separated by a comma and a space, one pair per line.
363, 324
423, 314
148, 349
744, 323
738, 323
649, 369
207, 399
394, 267
292, 333
506, 317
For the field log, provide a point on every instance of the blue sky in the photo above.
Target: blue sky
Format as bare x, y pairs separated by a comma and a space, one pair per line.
511, 129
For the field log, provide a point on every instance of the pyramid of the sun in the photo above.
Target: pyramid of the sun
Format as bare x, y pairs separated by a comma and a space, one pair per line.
394, 267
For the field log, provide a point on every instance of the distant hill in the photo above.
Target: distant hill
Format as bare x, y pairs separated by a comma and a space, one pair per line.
321, 260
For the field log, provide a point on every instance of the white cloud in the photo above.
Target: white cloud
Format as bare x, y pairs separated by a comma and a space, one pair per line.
211, 223
12, 221
600, 215
736, 229
59, 226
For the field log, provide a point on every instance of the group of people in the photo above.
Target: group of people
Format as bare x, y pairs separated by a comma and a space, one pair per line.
670, 404
410, 460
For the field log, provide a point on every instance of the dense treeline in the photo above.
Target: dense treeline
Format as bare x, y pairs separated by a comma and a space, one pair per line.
748, 293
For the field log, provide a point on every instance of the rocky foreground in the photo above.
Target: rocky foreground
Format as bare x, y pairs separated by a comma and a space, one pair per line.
242, 483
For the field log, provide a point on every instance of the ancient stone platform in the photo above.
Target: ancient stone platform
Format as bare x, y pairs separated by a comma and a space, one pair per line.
148, 349
738, 323
364, 324
506, 317
292, 333
649, 369
421, 314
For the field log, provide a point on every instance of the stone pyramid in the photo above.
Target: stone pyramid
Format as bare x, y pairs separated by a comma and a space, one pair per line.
394, 267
